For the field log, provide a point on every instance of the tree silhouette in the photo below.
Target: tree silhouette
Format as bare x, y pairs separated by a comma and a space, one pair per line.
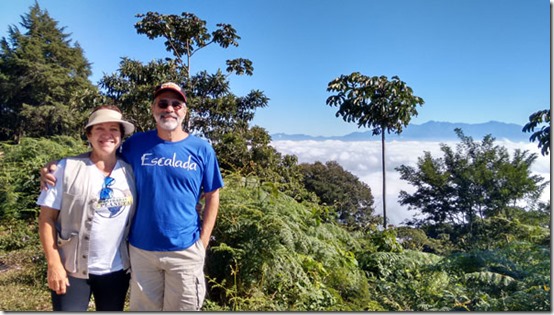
374, 102
543, 135
186, 34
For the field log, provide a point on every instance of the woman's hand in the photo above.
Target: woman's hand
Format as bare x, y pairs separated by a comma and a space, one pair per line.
57, 279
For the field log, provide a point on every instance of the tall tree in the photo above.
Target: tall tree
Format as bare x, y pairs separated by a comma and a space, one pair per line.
43, 79
216, 113
214, 109
542, 136
374, 102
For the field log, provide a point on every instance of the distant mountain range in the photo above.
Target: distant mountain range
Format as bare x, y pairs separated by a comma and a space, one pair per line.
429, 131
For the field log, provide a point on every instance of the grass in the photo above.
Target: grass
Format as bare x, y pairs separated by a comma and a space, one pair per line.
22, 284
23, 268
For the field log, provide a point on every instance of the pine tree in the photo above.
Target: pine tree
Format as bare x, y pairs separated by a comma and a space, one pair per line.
43, 79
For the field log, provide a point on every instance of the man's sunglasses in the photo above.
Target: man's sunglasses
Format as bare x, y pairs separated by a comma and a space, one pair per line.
177, 105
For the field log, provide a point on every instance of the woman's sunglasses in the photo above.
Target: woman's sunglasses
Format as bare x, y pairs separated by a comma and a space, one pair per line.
106, 191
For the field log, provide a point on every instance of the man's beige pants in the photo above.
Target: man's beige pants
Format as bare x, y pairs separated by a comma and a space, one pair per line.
167, 281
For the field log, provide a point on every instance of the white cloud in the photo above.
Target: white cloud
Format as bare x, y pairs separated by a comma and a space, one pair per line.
363, 159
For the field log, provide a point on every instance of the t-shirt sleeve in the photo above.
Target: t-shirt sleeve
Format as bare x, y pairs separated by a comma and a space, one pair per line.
212, 179
52, 197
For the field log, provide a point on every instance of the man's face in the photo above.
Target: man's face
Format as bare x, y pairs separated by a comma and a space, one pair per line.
169, 111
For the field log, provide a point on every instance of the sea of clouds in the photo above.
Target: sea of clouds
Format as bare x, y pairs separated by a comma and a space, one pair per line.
363, 159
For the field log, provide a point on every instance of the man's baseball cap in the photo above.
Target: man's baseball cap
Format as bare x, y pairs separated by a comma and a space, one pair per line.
170, 86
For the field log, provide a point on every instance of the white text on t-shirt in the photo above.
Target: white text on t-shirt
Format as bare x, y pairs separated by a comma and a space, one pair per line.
147, 160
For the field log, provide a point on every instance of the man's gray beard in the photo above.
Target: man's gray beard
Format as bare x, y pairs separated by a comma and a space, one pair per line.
169, 125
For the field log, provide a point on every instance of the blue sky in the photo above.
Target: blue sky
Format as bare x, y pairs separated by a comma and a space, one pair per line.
472, 61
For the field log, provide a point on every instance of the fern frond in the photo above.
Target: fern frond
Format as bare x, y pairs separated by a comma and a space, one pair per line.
489, 278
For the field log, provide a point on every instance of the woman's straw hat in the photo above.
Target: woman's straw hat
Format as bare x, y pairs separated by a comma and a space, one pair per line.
109, 115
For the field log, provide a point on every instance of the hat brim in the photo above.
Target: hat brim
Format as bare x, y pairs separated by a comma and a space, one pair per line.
128, 128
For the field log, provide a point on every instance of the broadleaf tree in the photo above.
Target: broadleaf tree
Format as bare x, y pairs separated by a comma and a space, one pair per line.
186, 34
376, 102
342, 190
475, 181
213, 106
215, 112
132, 86
542, 136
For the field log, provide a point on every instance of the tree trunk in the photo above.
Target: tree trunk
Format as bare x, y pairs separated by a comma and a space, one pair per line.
384, 186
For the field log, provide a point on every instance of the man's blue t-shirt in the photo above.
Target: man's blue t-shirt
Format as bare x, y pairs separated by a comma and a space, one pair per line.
170, 177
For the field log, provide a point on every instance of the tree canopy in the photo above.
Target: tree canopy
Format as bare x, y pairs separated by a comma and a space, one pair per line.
215, 112
541, 136
338, 188
377, 103
43, 80
374, 102
478, 180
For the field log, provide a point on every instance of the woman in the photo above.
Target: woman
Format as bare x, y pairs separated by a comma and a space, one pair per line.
84, 220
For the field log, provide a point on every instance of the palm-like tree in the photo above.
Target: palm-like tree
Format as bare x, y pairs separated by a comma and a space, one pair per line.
377, 103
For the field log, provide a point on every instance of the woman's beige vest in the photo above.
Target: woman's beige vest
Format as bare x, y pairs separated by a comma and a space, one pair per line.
75, 218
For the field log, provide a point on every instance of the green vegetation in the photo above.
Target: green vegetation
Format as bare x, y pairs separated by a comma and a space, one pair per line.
541, 136
43, 80
478, 180
335, 186
289, 236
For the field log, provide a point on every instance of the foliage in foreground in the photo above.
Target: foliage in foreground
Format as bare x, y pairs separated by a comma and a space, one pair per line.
19, 171
482, 280
22, 267
272, 253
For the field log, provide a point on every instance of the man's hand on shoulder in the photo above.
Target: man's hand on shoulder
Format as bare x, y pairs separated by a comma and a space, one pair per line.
47, 177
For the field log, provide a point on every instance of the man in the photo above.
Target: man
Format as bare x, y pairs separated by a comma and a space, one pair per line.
173, 169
